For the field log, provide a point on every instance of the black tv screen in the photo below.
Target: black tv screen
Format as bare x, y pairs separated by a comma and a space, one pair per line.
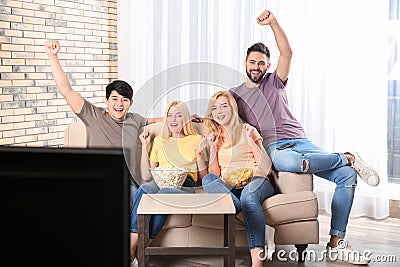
64, 207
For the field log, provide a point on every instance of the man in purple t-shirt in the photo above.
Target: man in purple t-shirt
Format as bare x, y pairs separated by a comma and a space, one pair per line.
263, 103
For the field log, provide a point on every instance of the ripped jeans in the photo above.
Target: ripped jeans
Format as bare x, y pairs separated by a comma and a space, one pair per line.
302, 156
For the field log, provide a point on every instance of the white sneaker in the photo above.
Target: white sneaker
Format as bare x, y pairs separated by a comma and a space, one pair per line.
135, 263
369, 175
269, 242
344, 252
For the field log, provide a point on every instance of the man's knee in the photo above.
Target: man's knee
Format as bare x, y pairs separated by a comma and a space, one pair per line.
291, 165
348, 177
305, 165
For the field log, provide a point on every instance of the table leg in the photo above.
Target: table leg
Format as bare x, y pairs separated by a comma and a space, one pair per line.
229, 239
143, 242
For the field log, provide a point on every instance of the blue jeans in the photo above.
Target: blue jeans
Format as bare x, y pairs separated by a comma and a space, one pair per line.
249, 200
330, 166
157, 221
133, 189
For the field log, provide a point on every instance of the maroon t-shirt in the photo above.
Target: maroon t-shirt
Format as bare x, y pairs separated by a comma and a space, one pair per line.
266, 108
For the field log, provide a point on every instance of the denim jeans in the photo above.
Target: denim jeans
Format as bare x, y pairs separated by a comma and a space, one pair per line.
157, 221
249, 200
330, 166
133, 189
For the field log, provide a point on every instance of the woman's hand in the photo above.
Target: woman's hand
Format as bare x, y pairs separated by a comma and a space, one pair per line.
248, 132
213, 141
145, 137
204, 144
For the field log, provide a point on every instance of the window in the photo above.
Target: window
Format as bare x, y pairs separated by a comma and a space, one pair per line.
394, 93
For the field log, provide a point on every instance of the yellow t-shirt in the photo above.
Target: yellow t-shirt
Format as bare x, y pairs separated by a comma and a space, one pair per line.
236, 157
176, 152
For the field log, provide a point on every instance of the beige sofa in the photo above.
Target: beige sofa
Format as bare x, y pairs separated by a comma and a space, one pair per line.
293, 211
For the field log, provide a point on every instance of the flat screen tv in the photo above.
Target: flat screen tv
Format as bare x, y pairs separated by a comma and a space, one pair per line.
63, 207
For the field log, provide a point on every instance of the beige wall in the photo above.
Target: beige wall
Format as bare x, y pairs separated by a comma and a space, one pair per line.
32, 112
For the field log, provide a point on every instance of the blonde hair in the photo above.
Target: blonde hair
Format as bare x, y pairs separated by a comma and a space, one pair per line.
187, 129
236, 122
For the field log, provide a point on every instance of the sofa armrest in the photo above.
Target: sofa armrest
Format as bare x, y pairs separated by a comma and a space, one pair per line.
287, 182
75, 135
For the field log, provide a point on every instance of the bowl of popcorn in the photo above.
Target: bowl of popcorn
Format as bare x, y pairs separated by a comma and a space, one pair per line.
169, 176
238, 178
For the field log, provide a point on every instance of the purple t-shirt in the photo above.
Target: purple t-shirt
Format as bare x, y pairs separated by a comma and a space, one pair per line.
266, 108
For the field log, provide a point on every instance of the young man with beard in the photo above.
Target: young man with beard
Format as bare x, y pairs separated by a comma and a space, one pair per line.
262, 102
111, 128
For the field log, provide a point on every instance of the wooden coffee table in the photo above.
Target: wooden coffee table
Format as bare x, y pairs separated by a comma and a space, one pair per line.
186, 204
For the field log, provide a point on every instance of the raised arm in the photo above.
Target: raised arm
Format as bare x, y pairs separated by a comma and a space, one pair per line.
285, 51
213, 165
202, 169
144, 161
74, 100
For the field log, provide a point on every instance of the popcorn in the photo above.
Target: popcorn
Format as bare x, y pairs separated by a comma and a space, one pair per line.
239, 177
169, 176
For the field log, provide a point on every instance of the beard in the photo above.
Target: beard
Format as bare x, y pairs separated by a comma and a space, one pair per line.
255, 80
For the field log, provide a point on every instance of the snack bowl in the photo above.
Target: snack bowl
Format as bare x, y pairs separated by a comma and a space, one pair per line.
169, 176
238, 178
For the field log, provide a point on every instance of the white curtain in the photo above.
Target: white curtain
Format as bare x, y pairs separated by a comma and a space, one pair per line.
338, 82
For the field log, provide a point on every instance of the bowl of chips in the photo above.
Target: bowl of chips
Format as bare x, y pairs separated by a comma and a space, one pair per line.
238, 178
169, 177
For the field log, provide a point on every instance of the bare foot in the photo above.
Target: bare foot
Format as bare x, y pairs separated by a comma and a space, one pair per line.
333, 242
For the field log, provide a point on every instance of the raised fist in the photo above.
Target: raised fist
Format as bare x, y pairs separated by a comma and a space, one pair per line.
52, 47
265, 18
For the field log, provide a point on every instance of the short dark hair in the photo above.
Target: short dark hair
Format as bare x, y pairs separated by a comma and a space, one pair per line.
258, 47
123, 88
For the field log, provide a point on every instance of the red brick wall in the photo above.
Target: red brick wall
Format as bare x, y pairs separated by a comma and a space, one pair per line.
32, 111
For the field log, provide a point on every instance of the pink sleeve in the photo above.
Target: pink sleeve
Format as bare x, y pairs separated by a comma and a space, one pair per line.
256, 136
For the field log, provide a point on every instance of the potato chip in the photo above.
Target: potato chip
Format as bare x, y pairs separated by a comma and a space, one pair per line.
239, 177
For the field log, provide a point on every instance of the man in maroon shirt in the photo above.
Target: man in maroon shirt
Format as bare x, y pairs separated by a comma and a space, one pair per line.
263, 103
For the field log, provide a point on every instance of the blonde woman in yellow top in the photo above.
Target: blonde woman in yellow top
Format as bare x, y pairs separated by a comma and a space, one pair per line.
177, 146
238, 165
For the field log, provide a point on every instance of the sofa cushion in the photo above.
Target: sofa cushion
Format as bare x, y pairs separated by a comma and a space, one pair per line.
305, 232
75, 135
288, 182
278, 209
174, 237
212, 221
207, 237
178, 221
284, 208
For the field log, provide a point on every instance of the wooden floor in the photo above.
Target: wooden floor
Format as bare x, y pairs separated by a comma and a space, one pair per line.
380, 237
